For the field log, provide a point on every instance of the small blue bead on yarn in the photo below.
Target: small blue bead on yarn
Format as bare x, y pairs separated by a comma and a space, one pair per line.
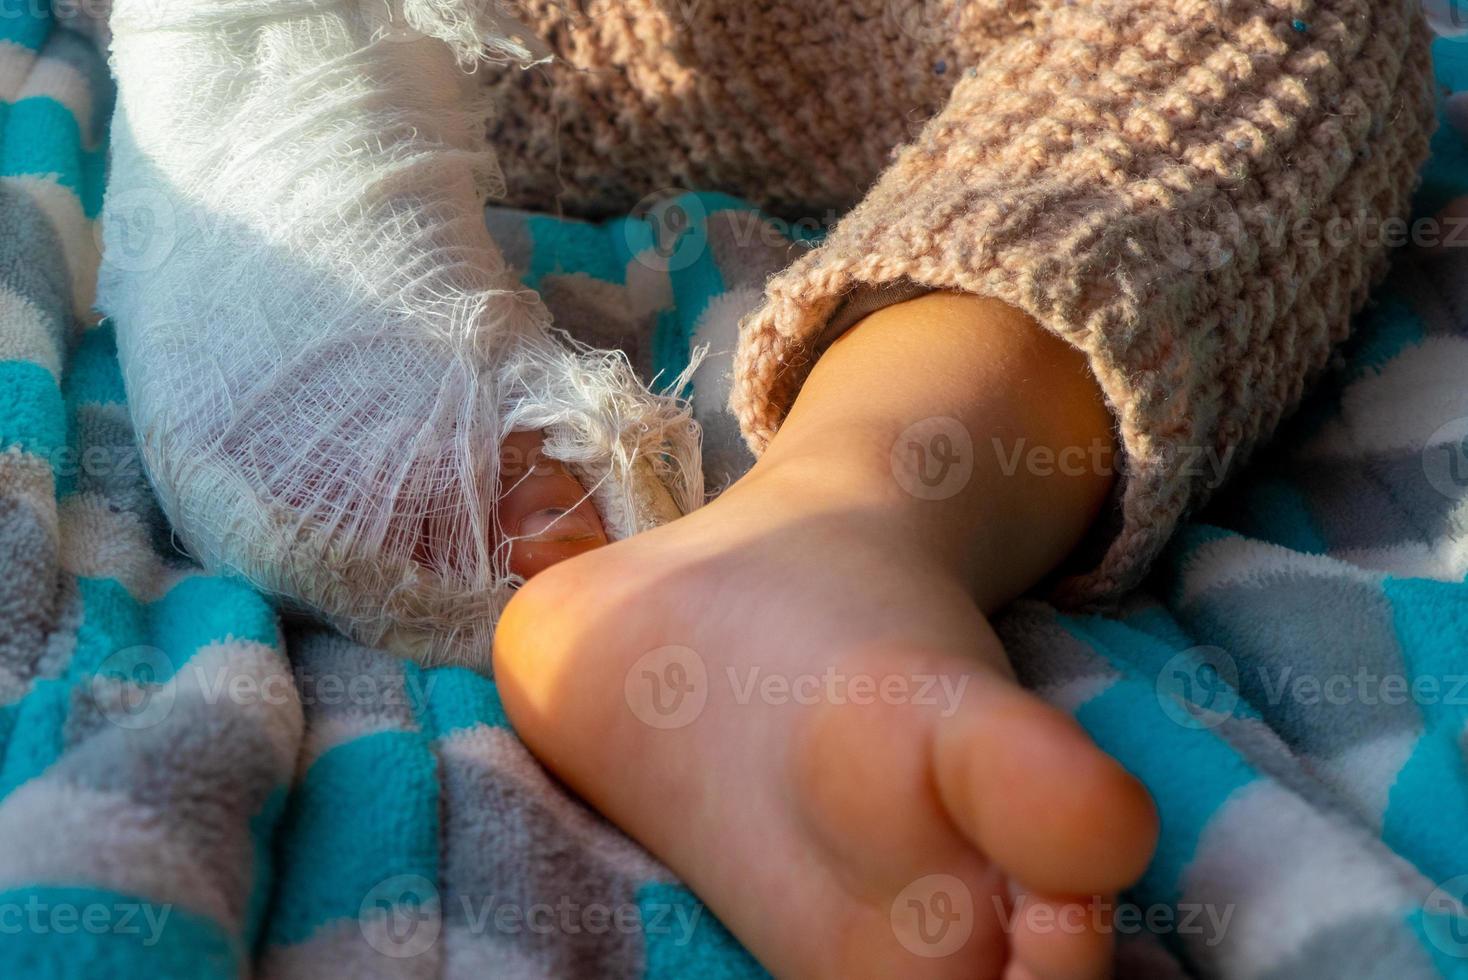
1300, 26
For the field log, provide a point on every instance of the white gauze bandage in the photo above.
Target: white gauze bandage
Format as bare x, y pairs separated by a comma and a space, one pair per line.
322, 346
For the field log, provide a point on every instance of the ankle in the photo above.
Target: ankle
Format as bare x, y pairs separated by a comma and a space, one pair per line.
939, 461
868, 497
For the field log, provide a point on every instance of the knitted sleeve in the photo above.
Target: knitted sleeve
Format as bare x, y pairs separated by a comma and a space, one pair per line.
1197, 194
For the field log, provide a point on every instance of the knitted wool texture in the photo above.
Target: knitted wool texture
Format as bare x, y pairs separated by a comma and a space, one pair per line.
1195, 193
322, 346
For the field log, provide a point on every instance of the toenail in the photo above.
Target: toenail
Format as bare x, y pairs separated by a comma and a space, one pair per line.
556, 524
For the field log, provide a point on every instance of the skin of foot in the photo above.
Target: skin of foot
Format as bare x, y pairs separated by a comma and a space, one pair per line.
794, 698
544, 511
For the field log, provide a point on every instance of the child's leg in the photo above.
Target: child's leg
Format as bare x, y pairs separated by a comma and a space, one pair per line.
326, 352
793, 696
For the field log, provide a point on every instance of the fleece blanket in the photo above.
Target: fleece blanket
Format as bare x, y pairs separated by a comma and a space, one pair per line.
193, 786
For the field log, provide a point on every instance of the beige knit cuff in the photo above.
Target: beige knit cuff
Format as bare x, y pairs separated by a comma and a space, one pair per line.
1201, 321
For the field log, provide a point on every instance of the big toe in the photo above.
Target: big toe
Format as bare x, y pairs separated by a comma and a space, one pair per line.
544, 511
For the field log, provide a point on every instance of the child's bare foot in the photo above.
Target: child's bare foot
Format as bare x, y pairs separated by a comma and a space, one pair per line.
808, 720
793, 697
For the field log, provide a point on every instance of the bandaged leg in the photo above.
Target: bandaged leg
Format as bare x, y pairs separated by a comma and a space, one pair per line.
322, 347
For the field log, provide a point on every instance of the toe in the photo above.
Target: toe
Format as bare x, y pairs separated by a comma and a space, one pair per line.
1034, 793
1055, 938
544, 511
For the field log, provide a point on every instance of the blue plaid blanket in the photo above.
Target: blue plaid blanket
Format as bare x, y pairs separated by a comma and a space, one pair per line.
193, 786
